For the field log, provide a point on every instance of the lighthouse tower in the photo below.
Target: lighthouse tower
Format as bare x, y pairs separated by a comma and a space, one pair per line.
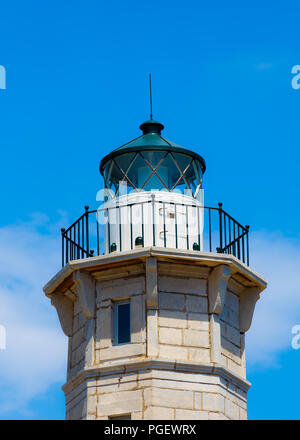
155, 293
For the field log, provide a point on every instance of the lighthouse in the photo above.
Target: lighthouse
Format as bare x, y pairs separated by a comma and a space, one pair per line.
155, 293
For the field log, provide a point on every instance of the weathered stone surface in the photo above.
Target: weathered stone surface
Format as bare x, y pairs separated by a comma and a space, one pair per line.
152, 333
120, 288
196, 304
216, 416
170, 336
151, 282
217, 286
114, 404
243, 414
182, 285
232, 301
64, 308
168, 398
194, 338
171, 301
231, 334
159, 413
199, 355
231, 351
104, 327
138, 319
173, 352
173, 318
215, 338
116, 383
122, 351
231, 410
198, 321
186, 414
85, 289
247, 304
213, 402
183, 270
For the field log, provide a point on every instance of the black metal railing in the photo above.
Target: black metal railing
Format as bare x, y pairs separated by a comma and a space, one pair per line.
104, 230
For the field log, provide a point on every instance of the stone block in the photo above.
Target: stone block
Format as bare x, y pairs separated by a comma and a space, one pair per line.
196, 304
137, 415
158, 413
173, 352
216, 416
243, 414
172, 318
234, 367
199, 355
152, 333
75, 323
114, 404
91, 405
182, 285
170, 336
194, 338
230, 350
198, 321
104, 327
122, 351
120, 288
171, 301
168, 398
213, 402
230, 317
186, 414
116, 383
232, 301
231, 333
78, 338
231, 410
138, 320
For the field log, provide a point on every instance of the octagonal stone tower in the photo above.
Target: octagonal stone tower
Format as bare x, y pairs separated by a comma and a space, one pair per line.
156, 312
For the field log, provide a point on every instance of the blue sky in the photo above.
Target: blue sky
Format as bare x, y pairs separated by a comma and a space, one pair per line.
77, 87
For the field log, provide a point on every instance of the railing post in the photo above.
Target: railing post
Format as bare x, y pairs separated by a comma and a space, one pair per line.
220, 248
63, 246
247, 236
87, 229
153, 215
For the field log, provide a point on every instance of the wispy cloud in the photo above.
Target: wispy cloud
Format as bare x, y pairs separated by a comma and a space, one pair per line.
35, 356
277, 259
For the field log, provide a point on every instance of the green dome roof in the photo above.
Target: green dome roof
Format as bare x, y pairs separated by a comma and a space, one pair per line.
151, 139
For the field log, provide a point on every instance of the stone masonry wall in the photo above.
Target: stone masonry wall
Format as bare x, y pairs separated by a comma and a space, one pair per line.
182, 334
157, 394
183, 325
77, 342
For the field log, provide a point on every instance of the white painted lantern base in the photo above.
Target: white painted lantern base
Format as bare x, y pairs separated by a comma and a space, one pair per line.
161, 218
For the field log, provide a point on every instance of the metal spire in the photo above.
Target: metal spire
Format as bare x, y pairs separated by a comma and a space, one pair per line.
150, 96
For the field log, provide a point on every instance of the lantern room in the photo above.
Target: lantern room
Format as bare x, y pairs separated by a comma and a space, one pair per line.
152, 163
153, 193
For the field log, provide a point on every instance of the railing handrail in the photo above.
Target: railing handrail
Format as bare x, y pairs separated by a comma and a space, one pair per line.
231, 232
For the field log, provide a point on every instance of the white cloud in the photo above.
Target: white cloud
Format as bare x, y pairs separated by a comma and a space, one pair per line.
35, 355
277, 259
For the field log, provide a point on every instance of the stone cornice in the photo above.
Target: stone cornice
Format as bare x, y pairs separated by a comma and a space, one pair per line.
119, 367
206, 258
